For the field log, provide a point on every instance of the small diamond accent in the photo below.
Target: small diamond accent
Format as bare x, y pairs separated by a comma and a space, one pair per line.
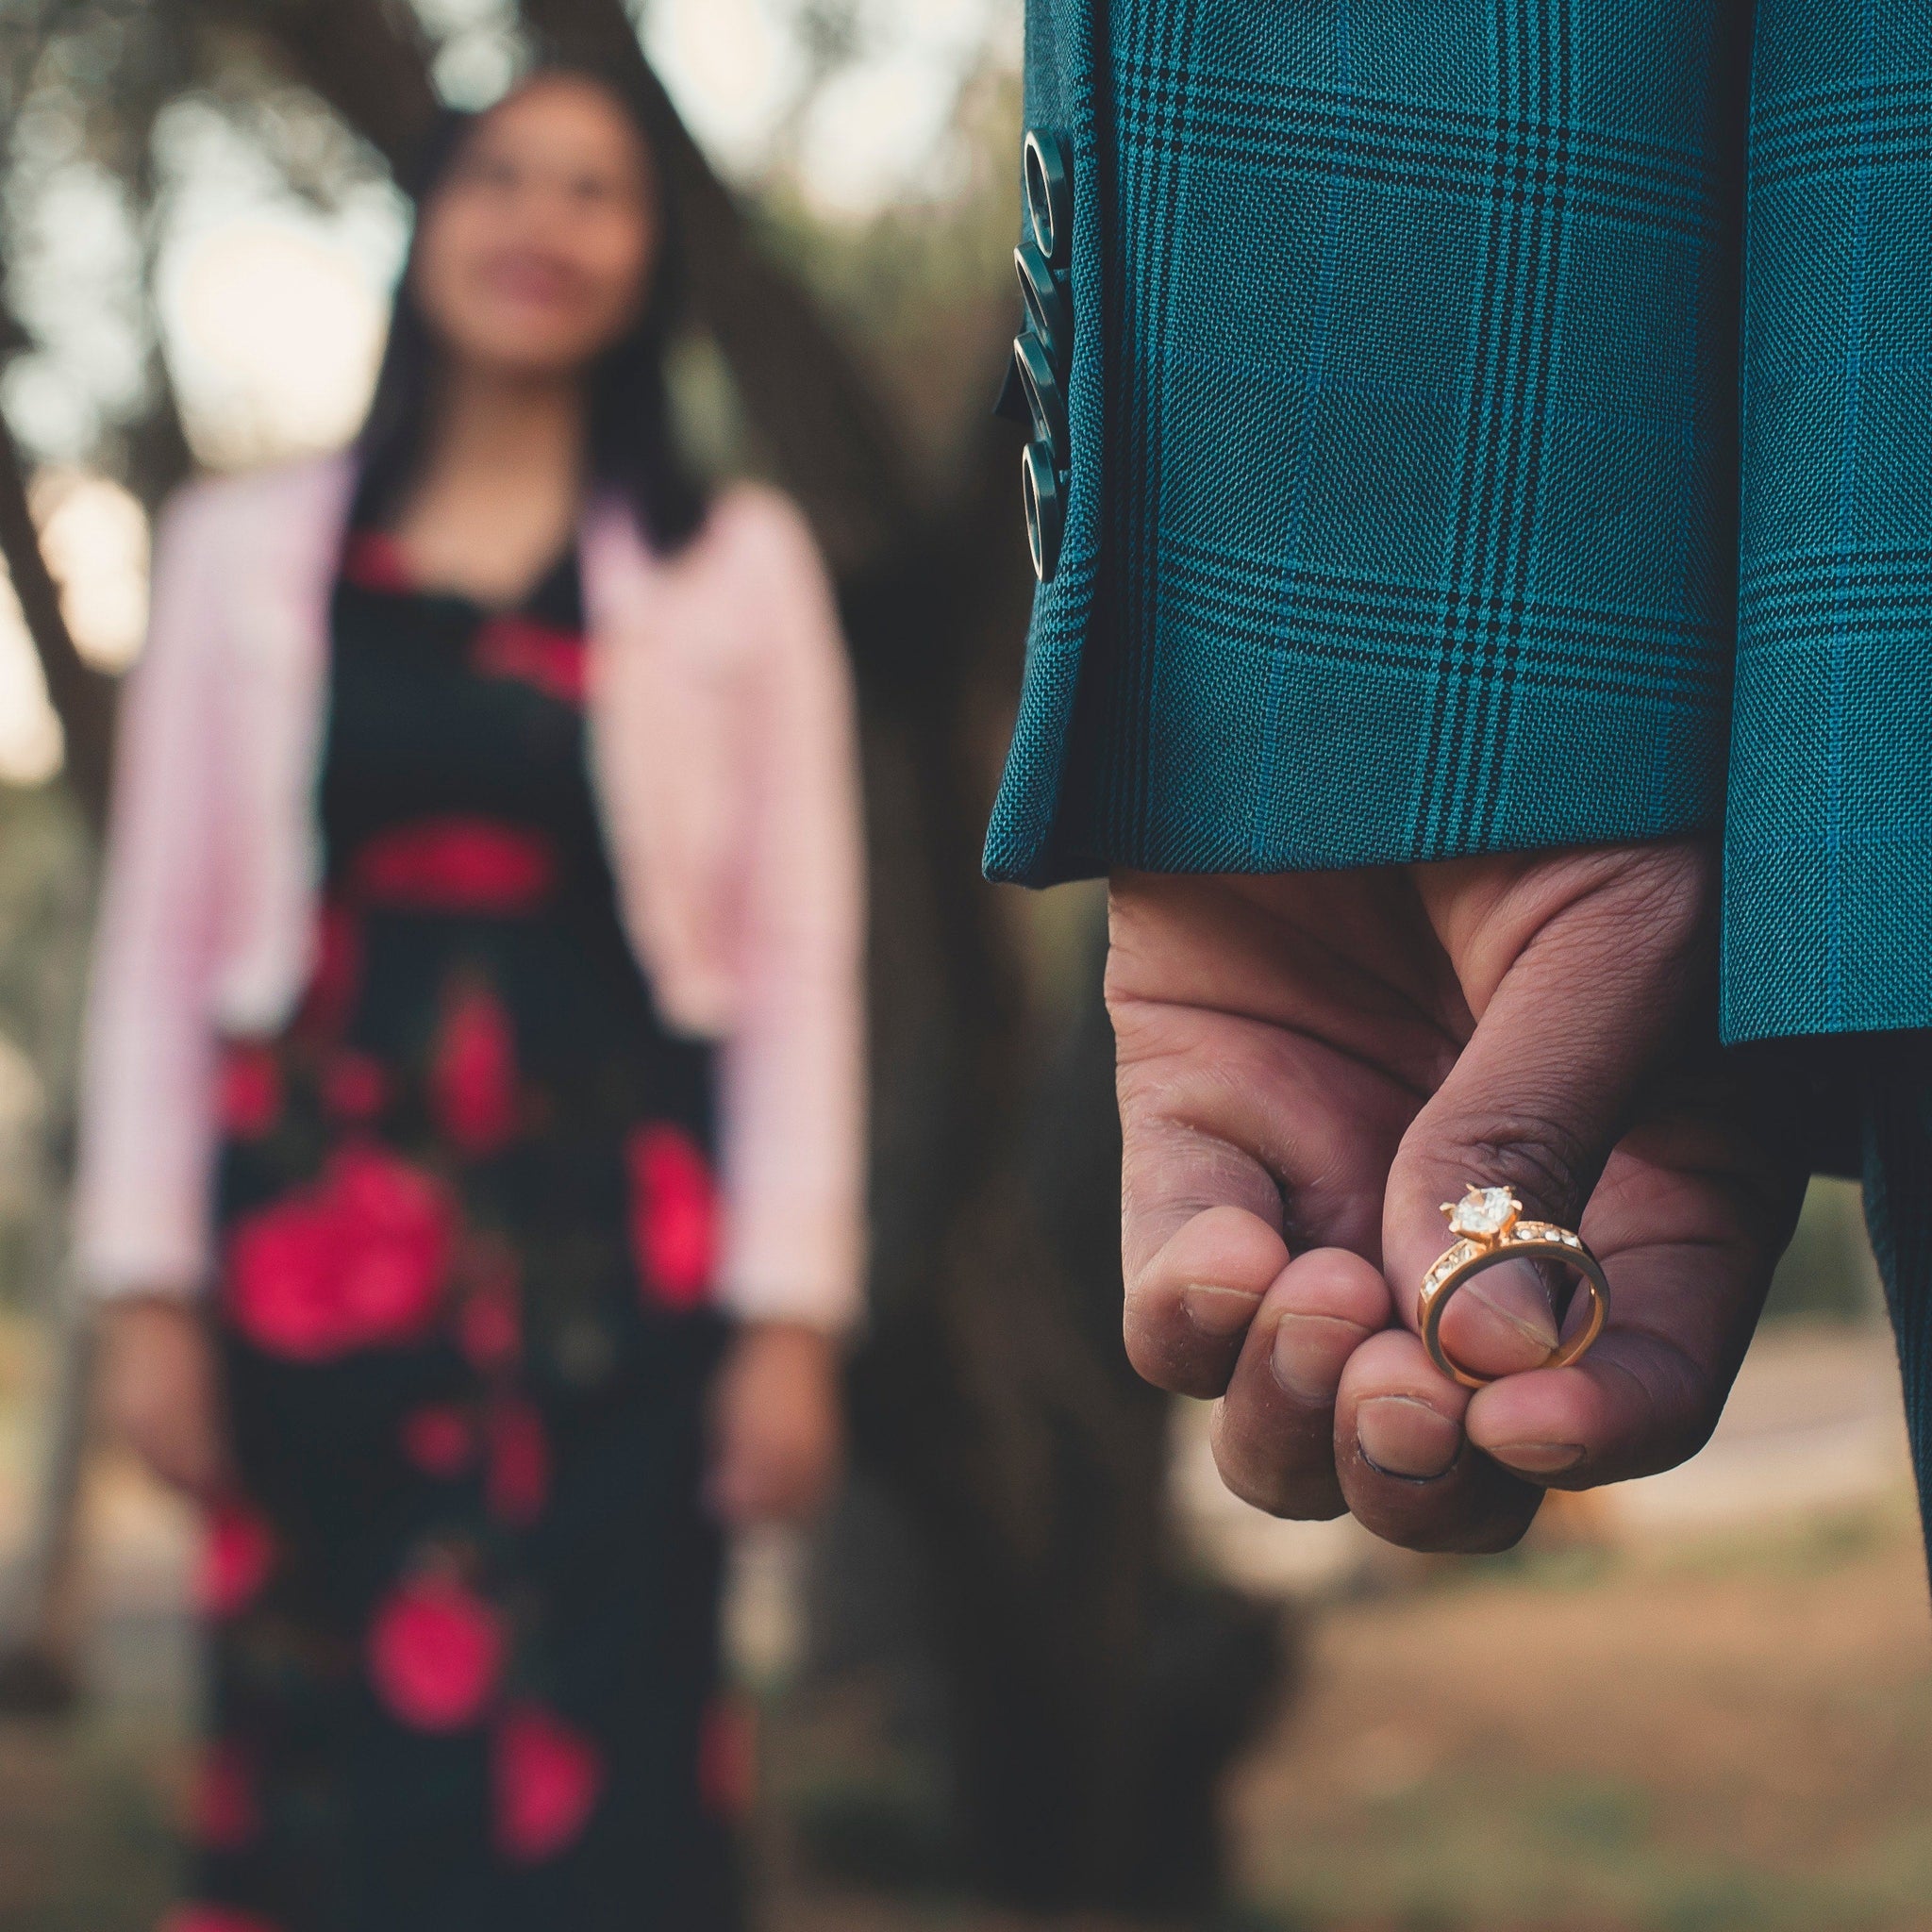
1482, 1211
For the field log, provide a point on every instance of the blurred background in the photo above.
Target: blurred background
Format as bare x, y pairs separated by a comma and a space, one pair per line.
1037, 1667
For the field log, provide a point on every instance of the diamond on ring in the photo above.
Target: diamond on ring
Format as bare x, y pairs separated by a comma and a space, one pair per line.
1483, 1214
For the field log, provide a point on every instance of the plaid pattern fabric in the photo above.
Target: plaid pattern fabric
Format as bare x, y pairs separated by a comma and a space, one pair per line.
1060, 98
1408, 475
1416, 388
1828, 842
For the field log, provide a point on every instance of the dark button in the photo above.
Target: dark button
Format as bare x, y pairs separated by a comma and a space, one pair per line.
1012, 406
1046, 510
1049, 193
1043, 397
1048, 307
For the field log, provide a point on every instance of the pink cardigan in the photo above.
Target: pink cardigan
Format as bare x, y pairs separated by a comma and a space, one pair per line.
722, 759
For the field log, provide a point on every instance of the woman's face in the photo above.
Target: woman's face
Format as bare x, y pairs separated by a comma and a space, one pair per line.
536, 250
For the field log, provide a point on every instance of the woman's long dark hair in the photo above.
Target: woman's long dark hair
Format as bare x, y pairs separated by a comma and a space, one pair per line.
633, 443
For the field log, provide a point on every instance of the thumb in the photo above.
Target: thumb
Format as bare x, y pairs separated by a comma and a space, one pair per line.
1583, 971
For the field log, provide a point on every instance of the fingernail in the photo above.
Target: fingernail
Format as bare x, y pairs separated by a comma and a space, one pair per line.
1403, 1437
1309, 1353
1219, 1311
1540, 1458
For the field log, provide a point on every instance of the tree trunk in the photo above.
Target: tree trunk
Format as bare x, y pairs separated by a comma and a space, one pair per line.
367, 58
37, 1671
1094, 1702
82, 698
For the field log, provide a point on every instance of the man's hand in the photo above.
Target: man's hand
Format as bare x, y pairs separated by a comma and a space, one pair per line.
1311, 1064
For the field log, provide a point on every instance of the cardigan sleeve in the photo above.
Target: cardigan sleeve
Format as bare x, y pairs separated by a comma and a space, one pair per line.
147, 1103
793, 1102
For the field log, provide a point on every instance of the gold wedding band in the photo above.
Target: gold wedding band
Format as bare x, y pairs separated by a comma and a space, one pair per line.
1491, 1229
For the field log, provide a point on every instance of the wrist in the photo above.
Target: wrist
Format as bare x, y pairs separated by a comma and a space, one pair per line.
799, 1339
142, 1309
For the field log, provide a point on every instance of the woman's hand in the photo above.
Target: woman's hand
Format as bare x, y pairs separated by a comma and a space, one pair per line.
159, 1389
1309, 1064
776, 1430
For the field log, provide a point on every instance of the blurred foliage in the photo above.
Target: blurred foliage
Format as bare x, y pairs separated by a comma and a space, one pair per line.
928, 291
45, 903
1828, 1271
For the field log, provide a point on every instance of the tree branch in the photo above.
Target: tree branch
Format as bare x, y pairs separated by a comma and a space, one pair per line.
835, 444
367, 58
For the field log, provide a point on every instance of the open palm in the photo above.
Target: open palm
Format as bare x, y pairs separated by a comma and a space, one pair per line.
1311, 1064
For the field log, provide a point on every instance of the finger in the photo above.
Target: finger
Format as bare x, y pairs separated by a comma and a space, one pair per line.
1717, 1206
1234, 1111
1274, 1432
1232, 1137
1634, 1405
1188, 1311
1405, 1465
1581, 974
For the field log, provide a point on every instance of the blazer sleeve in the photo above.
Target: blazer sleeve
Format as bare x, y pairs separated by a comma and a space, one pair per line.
148, 1096
1400, 487
792, 1068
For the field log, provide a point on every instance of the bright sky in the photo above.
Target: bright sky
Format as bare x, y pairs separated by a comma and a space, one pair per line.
272, 309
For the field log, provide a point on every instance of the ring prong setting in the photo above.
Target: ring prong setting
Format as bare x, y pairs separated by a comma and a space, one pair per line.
1483, 1214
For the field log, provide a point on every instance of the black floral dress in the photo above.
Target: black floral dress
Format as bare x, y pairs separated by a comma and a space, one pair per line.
464, 1603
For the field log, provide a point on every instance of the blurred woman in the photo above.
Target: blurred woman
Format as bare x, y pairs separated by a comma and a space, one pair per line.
476, 1020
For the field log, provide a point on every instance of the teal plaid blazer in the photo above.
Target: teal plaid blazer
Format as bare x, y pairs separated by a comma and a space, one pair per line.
1493, 424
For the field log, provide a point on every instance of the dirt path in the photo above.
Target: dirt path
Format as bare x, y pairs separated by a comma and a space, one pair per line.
1736, 1733
1697, 1711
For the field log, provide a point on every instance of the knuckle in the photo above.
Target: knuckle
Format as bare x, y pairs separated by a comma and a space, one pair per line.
1166, 1350
1545, 1160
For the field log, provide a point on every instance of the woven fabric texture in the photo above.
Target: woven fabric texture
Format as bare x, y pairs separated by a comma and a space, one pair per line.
1408, 468
1828, 839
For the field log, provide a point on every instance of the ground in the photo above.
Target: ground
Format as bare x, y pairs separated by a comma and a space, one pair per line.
1703, 1705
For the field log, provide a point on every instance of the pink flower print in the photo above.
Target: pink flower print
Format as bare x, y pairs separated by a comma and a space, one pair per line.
358, 1261
439, 1439
373, 560
519, 1481
550, 659
251, 1098
397, 1236
472, 1080
238, 1551
355, 1087
546, 1777
673, 1215
282, 1287
457, 865
338, 977
434, 1653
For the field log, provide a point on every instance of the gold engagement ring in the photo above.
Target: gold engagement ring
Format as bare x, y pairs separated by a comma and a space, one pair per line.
1489, 1229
